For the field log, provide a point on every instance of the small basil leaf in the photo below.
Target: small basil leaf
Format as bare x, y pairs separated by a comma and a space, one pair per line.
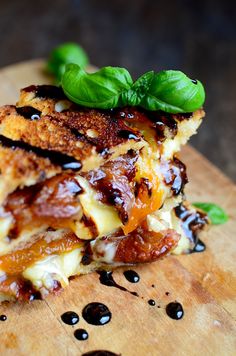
173, 92
139, 89
64, 54
102, 89
215, 213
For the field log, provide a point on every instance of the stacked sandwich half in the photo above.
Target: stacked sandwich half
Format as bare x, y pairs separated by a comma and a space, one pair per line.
84, 189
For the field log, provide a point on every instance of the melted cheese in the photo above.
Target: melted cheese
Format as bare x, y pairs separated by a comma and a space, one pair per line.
162, 220
54, 268
105, 217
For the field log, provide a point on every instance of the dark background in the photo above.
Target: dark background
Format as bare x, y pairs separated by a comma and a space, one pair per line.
198, 37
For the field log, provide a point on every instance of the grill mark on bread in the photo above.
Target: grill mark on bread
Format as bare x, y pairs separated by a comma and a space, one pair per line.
57, 158
109, 132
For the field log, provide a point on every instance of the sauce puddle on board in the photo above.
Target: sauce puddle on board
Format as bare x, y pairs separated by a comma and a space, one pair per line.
107, 279
100, 353
175, 310
70, 318
152, 302
81, 334
131, 276
96, 314
3, 317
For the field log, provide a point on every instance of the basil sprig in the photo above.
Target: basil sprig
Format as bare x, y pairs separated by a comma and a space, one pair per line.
110, 87
66, 53
215, 213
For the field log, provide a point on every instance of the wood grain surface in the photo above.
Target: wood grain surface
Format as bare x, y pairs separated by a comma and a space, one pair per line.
204, 283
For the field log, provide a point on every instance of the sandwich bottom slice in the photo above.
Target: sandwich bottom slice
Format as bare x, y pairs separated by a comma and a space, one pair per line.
84, 189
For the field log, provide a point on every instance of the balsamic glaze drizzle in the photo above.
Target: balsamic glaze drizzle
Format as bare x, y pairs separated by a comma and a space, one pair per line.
28, 112
81, 334
100, 353
96, 314
49, 92
131, 276
199, 247
152, 302
175, 175
175, 310
192, 222
127, 134
70, 318
57, 158
3, 317
106, 278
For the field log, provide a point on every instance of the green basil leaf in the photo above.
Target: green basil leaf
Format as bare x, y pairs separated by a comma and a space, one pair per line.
173, 92
137, 92
102, 89
110, 87
215, 213
64, 54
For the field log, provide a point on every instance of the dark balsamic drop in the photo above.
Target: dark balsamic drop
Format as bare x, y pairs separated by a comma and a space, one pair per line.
81, 334
70, 318
131, 276
49, 92
86, 260
106, 278
151, 302
100, 353
175, 310
167, 293
3, 317
153, 285
35, 296
199, 247
127, 134
28, 112
96, 314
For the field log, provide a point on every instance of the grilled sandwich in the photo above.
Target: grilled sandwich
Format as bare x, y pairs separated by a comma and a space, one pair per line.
84, 189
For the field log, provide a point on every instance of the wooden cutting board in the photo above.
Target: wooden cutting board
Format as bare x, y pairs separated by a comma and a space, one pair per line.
204, 283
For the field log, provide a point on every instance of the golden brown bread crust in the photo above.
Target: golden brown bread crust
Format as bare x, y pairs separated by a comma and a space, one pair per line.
87, 135
97, 128
44, 133
20, 168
